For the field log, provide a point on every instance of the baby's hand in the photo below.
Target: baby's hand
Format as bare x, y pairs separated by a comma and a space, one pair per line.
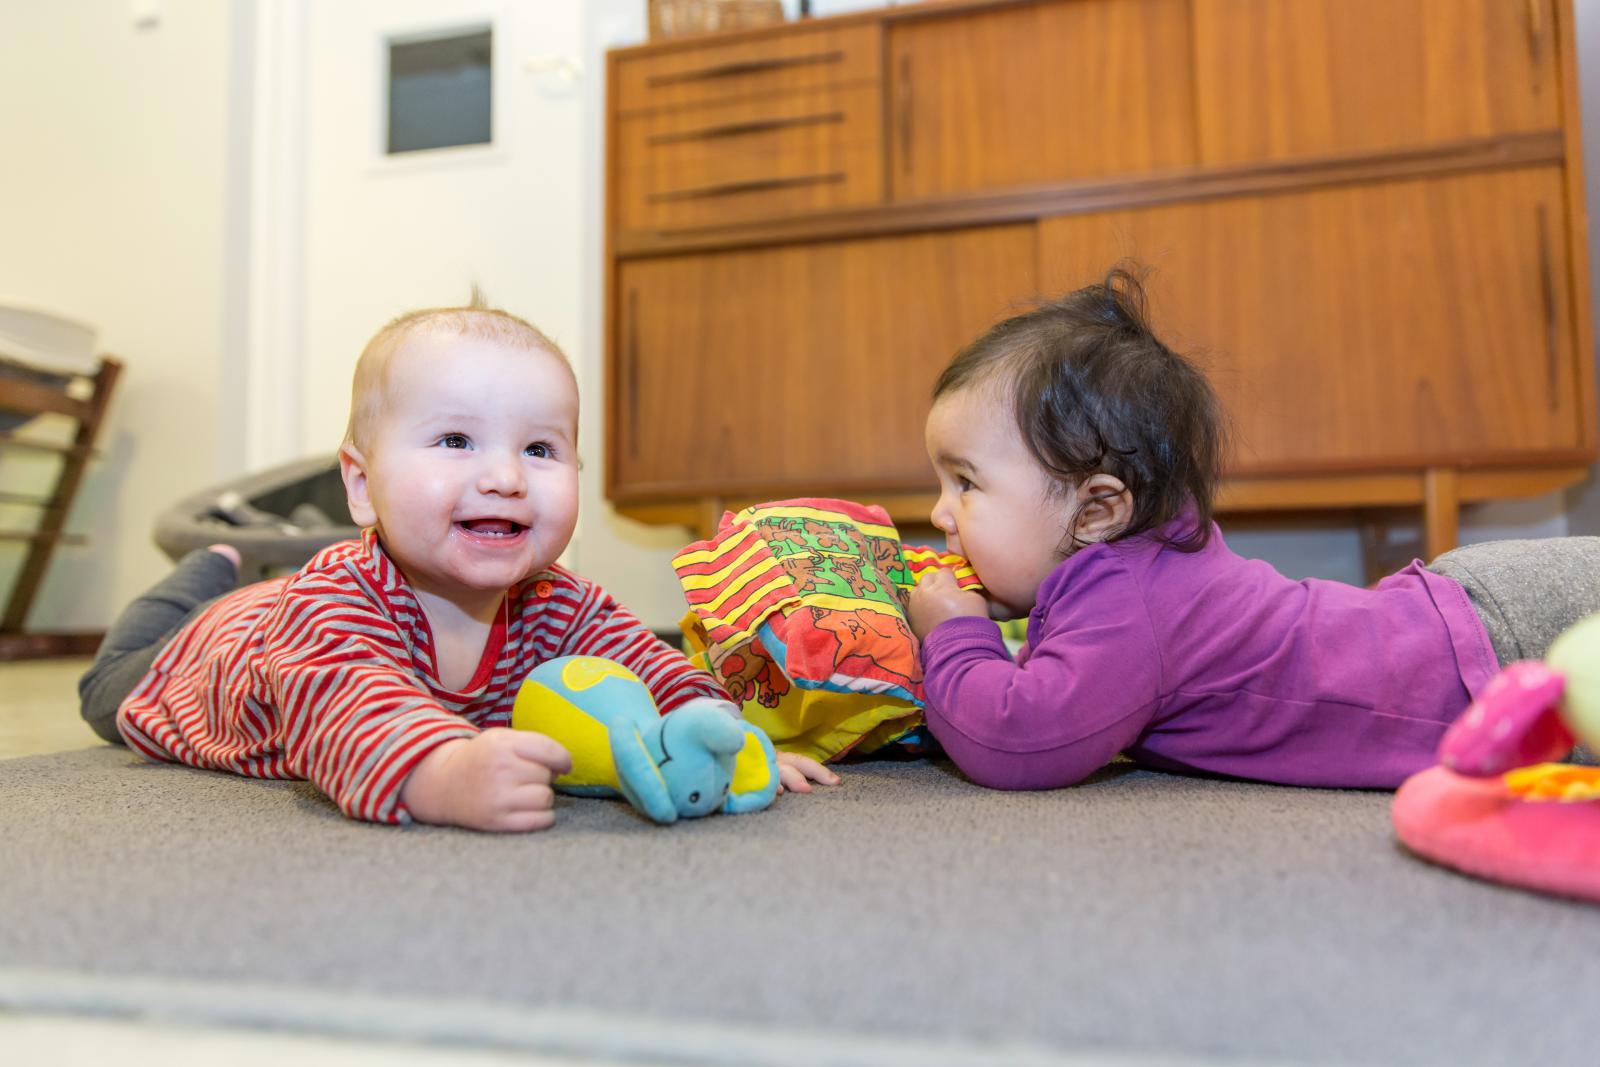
937, 597
797, 772
498, 780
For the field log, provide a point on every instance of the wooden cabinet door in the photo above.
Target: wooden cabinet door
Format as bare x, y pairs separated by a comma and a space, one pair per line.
800, 369
1038, 93
1278, 79
1402, 324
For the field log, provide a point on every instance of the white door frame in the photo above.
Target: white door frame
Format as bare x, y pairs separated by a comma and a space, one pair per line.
266, 225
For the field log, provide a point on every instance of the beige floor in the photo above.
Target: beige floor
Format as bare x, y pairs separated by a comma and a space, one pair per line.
39, 708
39, 714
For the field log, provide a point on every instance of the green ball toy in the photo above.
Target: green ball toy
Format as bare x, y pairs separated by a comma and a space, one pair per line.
1576, 654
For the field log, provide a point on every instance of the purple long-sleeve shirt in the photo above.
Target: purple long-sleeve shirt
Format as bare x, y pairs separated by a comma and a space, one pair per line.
1206, 661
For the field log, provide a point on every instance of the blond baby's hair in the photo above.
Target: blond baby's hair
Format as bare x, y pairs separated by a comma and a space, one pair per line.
369, 389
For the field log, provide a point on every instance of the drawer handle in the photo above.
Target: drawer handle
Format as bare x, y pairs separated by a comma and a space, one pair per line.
904, 116
739, 129
747, 66
760, 185
1535, 10
631, 386
1547, 296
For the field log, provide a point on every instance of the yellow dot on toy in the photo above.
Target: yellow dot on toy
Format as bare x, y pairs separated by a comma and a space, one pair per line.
588, 671
750, 769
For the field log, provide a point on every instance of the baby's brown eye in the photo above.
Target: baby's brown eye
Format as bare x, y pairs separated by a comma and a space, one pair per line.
453, 440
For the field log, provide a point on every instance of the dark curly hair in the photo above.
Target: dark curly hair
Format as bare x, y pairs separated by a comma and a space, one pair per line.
1095, 391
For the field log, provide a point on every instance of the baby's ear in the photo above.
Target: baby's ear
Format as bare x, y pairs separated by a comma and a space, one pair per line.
353, 471
1103, 506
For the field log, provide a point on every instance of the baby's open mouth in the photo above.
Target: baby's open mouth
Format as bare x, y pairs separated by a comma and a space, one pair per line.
492, 527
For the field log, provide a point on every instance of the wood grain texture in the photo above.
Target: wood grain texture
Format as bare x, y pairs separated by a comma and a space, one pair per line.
759, 158
1038, 93
1577, 222
1394, 491
1102, 194
718, 72
1310, 77
1441, 511
1388, 325
798, 368
1367, 215
50, 527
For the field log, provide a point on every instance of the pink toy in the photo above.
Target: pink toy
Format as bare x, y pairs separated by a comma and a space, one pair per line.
1514, 723
1495, 808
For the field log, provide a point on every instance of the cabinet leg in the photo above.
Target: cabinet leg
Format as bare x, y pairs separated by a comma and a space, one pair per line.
1441, 512
709, 516
1374, 548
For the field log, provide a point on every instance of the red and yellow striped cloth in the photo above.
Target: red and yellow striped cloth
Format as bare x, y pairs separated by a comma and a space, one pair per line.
798, 608
766, 558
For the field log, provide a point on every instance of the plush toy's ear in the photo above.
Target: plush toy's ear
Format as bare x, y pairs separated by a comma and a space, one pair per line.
755, 773
638, 776
710, 724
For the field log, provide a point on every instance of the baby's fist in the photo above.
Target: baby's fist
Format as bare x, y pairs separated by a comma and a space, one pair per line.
938, 597
499, 779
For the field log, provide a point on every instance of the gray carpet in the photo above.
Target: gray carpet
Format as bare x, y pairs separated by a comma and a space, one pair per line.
1140, 916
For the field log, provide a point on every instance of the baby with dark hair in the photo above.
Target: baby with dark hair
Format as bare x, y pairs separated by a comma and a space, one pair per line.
1078, 461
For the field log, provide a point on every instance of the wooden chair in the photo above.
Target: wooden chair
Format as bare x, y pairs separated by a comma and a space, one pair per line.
27, 392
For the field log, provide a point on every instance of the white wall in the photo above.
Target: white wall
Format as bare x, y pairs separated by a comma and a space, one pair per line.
523, 220
111, 211
631, 560
386, 235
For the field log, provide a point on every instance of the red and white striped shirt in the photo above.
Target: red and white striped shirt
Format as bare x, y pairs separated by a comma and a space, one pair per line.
328, 675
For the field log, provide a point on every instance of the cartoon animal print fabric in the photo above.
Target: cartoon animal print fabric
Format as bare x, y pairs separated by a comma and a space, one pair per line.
811, 594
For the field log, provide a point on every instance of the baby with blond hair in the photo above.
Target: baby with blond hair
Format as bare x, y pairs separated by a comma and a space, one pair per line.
384, 670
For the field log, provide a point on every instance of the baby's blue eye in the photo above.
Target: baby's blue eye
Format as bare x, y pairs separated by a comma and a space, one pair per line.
455, 440
964, 484
539, 450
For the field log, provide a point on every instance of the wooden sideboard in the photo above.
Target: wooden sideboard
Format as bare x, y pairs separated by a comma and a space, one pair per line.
1365, 218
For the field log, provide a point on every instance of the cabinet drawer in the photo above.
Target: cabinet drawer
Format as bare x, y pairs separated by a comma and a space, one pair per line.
1368, 326
720, 73
1297, 78
1035, 93
764, 157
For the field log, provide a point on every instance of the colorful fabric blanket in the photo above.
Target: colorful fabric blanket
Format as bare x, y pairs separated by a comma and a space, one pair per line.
810, 594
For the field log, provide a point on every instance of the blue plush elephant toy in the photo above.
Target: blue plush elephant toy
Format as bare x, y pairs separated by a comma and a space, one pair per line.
694, 760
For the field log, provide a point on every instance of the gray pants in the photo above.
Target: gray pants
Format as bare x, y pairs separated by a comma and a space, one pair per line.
1527, 592
143, 629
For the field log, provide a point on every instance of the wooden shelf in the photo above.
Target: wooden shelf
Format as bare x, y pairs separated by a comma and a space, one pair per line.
1355, 492
38, 537
19, 646
27, 444
1129, 191
30, 398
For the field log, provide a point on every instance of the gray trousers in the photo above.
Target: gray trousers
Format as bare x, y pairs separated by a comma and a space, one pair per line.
1527, 592
143, 629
